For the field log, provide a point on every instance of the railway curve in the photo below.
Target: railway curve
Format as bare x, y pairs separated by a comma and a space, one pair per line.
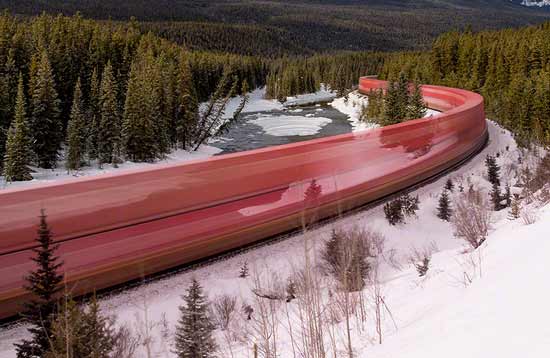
119, 227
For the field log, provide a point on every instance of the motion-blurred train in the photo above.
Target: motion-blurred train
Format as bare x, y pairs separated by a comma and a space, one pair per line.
122, 226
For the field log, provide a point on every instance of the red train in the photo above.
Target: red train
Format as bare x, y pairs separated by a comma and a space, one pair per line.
121, 226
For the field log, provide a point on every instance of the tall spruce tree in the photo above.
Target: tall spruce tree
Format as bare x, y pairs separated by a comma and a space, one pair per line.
444, 210
417, 106
94, 116
45, 123
76, 134
493, 170
188, 108
18, 145
138, 129
43, 283
109, 122
194, 330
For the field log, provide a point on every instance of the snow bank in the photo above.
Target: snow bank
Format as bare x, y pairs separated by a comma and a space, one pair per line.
283, 126
323, 95
41, 176
256, 103
352, 107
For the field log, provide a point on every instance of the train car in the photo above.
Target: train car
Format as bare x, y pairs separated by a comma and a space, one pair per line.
122, 226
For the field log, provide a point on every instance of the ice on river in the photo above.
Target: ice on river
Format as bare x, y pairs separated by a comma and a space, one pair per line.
282, 126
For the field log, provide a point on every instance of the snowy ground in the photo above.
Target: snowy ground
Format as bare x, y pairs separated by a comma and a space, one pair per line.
490, 303
42, 176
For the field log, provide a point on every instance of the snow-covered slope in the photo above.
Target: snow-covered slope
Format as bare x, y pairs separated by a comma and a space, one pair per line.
539, 3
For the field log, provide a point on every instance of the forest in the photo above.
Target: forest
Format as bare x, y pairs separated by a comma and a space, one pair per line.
110, 91
510, 68
289, 27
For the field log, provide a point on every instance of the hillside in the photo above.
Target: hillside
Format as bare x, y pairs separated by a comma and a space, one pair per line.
280, 25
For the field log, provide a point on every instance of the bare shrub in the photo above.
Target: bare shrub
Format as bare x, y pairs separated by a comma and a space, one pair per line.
528, 216
471, 219
223, 309
420, 258
125, 343
345, 256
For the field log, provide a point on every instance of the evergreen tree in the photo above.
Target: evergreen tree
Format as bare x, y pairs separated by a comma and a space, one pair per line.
187, 114
417, 107
449, 185
391, 105
94, 116
496, 197
45, 123
138, 130
43, 284
444, 210
493, 170
18, 145
345, 258
109, 123
76, 135
194, 330
81, 332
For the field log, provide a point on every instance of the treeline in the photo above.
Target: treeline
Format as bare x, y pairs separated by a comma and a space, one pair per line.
510, 68
295, 27
111, 87
340, 72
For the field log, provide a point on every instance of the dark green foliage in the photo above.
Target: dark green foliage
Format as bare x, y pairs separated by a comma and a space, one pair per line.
345, 257
409, 204
94, 116
449, 185
416, 106
509, 68
400, 104
397, 209
187, 114
109, 122
393, 212
296, 27
375, 108
194, 330
45, 121
444, 210
18, 144
141, 114
76, 133
82, 332
496, 197
493, 170
43, 283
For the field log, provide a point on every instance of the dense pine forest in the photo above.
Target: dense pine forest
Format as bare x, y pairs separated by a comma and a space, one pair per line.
510, 68
281, 27
110, 91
